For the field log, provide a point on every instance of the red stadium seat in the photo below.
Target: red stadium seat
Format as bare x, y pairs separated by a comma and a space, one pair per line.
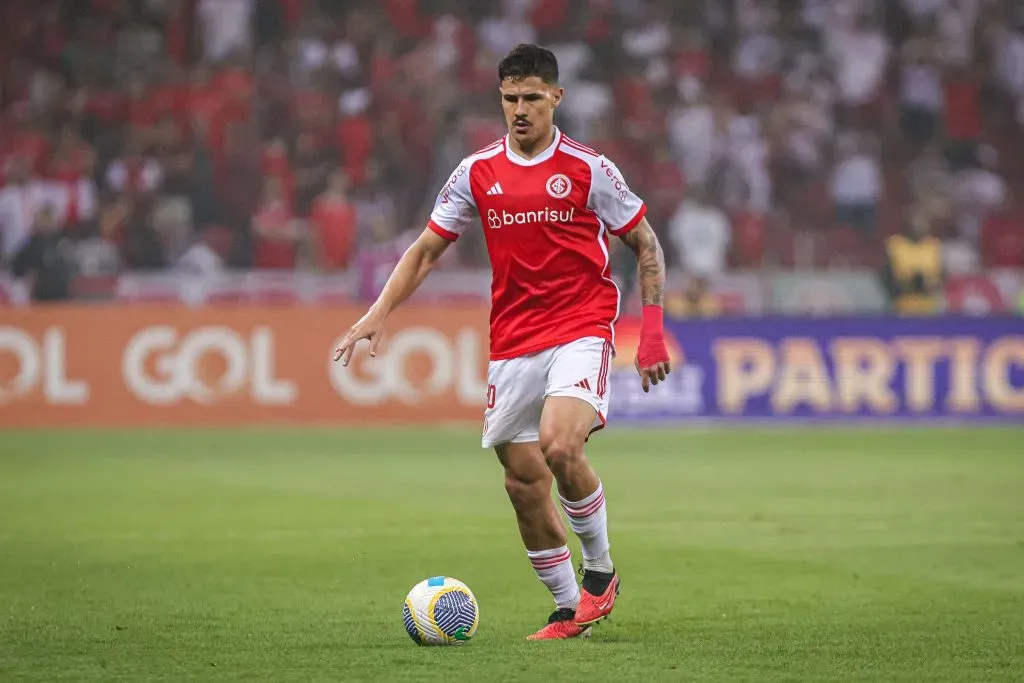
1002, 242
748, 237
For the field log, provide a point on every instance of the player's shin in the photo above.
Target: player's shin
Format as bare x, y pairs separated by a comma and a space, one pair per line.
543, 534
588, 518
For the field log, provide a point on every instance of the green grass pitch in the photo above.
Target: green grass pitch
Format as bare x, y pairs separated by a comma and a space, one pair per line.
284, 554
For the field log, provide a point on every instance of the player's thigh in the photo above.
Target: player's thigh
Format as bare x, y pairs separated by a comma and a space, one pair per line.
565, 423
515, 396
577, 392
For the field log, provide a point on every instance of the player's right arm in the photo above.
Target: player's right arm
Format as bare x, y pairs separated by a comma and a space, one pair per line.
453, 212
407, 276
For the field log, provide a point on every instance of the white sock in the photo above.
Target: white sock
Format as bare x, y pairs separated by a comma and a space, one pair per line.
554, 568
589, 520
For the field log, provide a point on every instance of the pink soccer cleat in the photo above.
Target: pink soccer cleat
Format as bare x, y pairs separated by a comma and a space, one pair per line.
561, 626
597, 596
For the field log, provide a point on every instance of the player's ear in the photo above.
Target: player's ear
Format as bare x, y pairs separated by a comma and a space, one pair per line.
556, 97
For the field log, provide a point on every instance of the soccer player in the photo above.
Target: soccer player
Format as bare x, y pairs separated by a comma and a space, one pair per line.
547, 205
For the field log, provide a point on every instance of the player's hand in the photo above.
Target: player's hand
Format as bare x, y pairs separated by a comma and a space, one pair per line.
652, 374
370, 326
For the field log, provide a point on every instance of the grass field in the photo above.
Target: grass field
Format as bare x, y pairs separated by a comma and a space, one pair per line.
280, 555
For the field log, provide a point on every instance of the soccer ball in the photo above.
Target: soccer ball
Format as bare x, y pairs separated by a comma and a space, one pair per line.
440, 611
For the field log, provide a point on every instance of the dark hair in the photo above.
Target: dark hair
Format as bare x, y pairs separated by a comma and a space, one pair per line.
529, 60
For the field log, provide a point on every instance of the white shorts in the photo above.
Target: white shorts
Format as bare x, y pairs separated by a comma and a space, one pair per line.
517, 387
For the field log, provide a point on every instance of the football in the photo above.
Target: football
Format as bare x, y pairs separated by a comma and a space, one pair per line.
440, 611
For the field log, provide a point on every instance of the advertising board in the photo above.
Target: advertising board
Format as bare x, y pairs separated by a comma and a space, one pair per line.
123, 365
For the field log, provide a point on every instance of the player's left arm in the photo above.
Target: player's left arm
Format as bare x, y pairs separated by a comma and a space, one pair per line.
650, 259
620, 208
651, 360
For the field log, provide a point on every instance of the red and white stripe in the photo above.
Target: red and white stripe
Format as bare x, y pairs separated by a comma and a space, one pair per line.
566, 140
489, 148
602, 375
585, 510
542, 563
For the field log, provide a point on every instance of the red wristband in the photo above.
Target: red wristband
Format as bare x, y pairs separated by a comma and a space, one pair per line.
652, 349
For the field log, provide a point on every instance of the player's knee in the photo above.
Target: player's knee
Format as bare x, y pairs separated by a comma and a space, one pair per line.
526, 491
561, 451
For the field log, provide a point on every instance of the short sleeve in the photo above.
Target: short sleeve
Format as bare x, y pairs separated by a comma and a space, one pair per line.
612, 200
454, 208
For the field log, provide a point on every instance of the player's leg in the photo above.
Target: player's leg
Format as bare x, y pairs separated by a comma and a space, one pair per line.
528, 483
511, 427
577, 399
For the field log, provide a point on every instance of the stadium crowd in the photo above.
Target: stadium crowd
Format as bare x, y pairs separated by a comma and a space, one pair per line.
203, 135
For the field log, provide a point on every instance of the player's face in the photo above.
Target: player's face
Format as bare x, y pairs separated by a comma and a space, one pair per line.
529, 106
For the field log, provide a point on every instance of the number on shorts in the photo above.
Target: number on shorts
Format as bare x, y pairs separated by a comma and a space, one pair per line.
491, 394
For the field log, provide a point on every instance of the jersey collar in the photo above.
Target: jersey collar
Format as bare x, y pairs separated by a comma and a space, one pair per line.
540, 158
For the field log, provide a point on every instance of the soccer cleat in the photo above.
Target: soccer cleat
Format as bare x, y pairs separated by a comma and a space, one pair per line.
598, 591
561, 626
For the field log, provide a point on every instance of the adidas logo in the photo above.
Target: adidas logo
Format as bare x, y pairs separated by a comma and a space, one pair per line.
583, 384
496, 189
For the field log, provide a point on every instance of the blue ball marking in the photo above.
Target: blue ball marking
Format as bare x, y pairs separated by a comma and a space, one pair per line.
410, 625
435, 581
453, 611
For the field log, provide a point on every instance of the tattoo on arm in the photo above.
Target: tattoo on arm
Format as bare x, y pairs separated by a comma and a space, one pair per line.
650, 262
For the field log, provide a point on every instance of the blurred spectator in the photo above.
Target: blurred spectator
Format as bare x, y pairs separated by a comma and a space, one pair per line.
312, 167
376, 213
962, 108
593, 99
978, 191
861, 54
802, 126
274, 228
1002, 238
501, 31
694, 132
20, 199
44, 260
140, 242
913, 274
135, 173
201, 257
172, 155
333, 223
856, 186
695, 300
172, 222
701, 233
758, 53
150, 127
1009, 65
921, 93
930, 175
748, 150
70, 183
225, 26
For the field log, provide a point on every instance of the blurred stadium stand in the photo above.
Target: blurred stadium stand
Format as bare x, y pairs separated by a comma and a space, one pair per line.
288, 150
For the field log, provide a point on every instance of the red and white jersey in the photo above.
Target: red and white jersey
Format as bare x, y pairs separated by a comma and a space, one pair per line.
546, 221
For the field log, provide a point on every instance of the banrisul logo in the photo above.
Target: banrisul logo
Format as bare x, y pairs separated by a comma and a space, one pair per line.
497, 219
